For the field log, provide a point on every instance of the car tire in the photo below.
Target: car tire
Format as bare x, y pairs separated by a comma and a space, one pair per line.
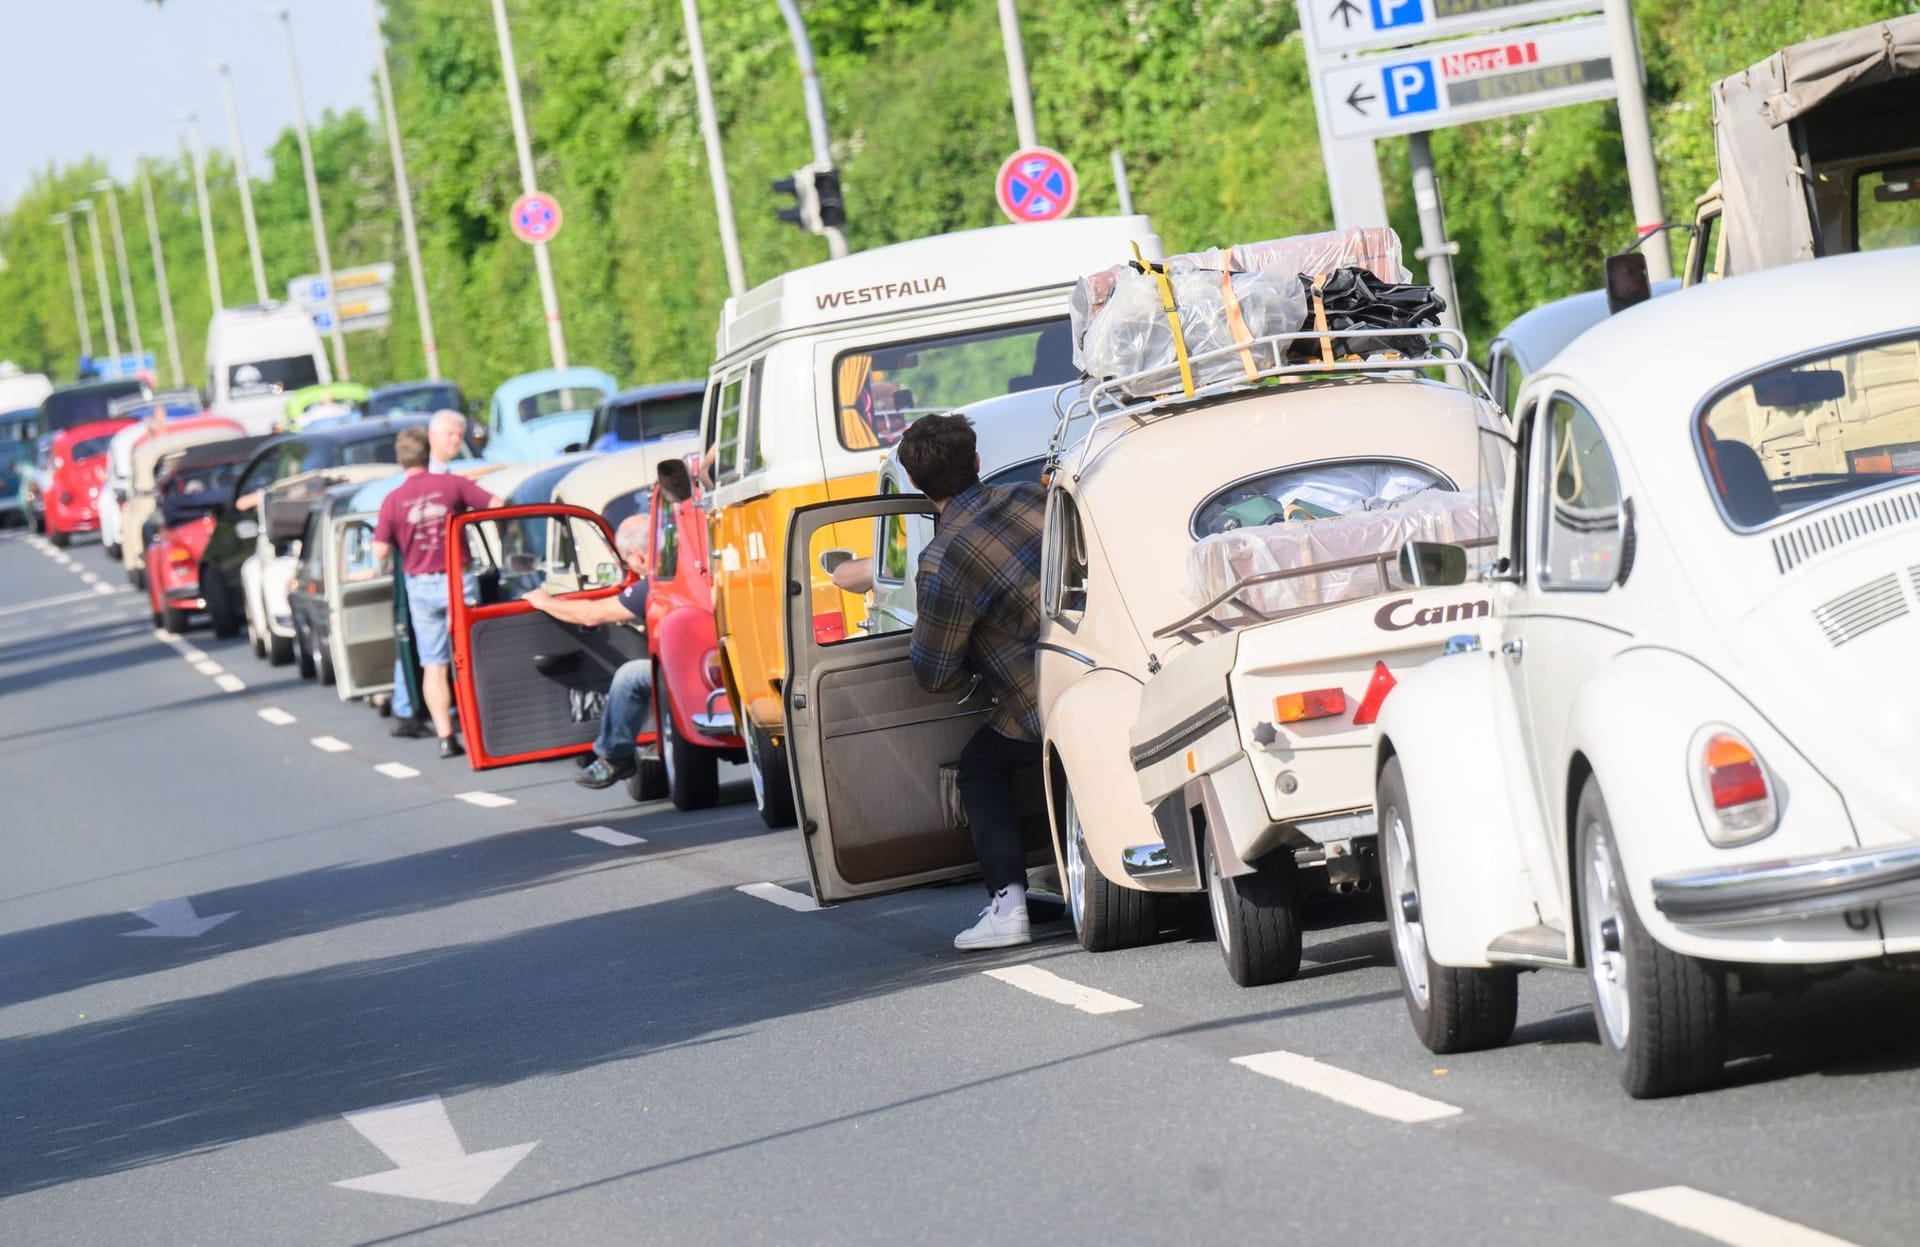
693, 773
1662, 1017
255, 641
59, 539
772, 783
279, 650
137, 577
1105, 915
1256, 918
323, 663
649, 779
173, 620
112, 552
155, 614
220, 612
1452, 1009
302, 656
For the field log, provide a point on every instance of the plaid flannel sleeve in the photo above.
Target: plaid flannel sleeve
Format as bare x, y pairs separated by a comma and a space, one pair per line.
941, 632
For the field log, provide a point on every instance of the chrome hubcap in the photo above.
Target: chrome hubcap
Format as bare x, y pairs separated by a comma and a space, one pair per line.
1409, 933
1217, 902
1606, 963
1076, 866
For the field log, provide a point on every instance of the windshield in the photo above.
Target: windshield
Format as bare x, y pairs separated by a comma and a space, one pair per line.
1801, 435
423, 400
672, 416
19, 426
879, 391
66, 408
1887, 208
272, 376
555, 402
382, 449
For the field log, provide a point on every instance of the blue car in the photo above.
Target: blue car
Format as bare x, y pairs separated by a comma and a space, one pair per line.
538, 415
647, 413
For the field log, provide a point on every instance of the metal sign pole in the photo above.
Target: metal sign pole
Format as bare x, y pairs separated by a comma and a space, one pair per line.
816, 110
1120, 185
65, 222
100, 278
106, 187
1636, 132
160, 278
206, 217
1017, 75
402, 191
313, 199
245, 181
542, 263
716, 157
1435, 249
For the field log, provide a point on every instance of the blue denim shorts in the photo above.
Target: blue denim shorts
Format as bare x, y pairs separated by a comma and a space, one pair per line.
427, 608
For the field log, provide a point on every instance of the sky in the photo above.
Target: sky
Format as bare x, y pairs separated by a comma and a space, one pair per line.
110, 77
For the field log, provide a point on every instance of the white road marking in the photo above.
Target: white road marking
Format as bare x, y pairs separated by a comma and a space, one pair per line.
176, 919
188, 652
1723, 1220
100, 587
1350, 1089
783, 897
607, 835
61, 600
230, 683
277, 716
485, 800
206, 666
396, 770
429, 1161
330, 744
1050, 986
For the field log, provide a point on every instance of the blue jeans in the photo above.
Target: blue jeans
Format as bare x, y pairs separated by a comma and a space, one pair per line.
402, 704
629, 705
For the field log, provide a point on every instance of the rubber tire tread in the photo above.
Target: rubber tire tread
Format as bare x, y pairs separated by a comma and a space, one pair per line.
1114, 917
648, 781
279, 650
61, 540
1468, 1008
173, 620
778, 808
220, 613
1264, 908
1677, 1042
695, 782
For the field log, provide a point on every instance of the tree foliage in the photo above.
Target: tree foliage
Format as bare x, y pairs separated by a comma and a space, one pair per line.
1207, 99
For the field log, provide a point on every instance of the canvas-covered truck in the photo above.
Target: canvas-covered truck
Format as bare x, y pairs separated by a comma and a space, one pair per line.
1818, 154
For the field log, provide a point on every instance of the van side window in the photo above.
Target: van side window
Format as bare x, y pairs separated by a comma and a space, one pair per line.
666, 544
890, 565
756, 382
727, 420
1063, 560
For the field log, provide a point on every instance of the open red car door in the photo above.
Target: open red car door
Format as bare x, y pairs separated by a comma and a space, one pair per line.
528, 686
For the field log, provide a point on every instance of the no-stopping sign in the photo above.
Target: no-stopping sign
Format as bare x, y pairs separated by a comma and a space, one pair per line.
1036, 184
534, 217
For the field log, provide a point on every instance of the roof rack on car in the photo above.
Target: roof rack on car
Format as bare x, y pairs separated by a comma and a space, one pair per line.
1255, 361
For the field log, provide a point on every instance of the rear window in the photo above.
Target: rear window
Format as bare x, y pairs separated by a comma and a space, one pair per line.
259, 377
626, 507
380, 449
66, 408
422, 401
878, 391
1886, 206
1804, 433
554, 402
1313, 491
88, 447
661, 417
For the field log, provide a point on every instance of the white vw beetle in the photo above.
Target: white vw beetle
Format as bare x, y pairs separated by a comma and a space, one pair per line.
1680, 750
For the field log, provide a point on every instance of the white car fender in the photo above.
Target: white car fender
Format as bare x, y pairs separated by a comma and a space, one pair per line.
1634, 722
1086, 732
1456, 736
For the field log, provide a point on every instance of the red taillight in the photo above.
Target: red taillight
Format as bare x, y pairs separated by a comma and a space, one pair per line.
1319, 703
1732, 789
1377, 689
1734, 775
179, 557
711, 668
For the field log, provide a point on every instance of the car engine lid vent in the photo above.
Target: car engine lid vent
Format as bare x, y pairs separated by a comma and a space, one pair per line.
1861, 611
1805, 541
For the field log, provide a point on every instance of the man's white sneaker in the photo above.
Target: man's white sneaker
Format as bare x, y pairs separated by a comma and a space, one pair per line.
997, 928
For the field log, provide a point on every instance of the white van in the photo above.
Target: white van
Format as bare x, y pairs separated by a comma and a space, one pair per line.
258, 355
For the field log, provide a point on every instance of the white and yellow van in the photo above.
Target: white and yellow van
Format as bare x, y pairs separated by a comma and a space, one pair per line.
818, 371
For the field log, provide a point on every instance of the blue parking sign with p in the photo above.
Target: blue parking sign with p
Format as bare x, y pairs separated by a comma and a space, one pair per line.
1410, 88
1390, 13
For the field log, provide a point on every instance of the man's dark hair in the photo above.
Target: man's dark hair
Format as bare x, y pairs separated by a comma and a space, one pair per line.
410, 448
938, 454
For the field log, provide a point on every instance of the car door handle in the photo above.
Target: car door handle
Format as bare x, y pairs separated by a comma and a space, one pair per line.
558, 664
1514, 648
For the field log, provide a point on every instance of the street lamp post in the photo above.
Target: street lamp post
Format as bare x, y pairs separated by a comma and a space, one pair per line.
246, 182
160, 278
65, 222
100, 276
716, 158
1017, 75
206, 217
313, 198
428, 346
106, 187
816, 109
542, 263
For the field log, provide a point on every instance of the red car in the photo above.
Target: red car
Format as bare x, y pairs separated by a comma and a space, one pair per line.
76, 473
191, 485
697, 726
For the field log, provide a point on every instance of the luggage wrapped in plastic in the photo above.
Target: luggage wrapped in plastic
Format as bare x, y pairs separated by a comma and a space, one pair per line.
1218, 562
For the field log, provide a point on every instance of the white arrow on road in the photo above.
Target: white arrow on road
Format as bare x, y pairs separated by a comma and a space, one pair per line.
176, 920
428, 1161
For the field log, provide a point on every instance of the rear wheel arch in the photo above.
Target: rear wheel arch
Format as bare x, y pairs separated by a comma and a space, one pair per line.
1579, 771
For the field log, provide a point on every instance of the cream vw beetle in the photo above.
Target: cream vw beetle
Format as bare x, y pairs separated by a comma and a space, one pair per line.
1680, 749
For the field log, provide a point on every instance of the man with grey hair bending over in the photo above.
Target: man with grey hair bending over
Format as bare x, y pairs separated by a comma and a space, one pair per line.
631, 696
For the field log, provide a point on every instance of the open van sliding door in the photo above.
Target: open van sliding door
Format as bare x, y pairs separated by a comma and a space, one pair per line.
866, 743
528, 686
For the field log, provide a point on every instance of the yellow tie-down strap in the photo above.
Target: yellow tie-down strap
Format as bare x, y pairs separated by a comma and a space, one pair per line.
1159, 273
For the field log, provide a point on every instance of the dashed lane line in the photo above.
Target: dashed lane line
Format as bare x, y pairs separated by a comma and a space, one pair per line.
786, 898
277, 716
485, 800
1345, 1087
230, 683
1050, 986
397, 770
206, 666
1724, 1220
607, 835
102, 588
330, 744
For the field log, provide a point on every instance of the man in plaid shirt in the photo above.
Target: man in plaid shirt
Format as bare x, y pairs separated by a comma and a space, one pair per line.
979, 616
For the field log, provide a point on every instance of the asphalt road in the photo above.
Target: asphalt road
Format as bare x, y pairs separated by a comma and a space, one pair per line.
598, 1042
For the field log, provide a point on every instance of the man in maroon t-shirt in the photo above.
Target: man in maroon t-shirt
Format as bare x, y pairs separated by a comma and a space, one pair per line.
413, 520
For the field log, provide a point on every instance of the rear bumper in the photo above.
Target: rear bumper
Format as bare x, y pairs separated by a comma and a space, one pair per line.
187, 598
1797, 888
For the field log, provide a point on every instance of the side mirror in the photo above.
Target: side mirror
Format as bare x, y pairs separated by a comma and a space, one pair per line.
606, 574
572, 448
1627, 281
830, 560
1430, 564
476, 435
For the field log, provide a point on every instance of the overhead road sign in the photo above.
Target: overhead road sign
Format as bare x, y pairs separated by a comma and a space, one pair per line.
309, 290
1362, 25
1462, 80
534, 217
1036, 184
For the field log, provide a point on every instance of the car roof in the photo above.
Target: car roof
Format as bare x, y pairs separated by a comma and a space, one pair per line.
93, 428
1677, 349
409, 387
365, 430
205, 454
513, 389
657, 390
1538, 335
538, 486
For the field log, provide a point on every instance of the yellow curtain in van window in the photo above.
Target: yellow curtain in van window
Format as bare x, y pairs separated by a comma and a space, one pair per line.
855, 430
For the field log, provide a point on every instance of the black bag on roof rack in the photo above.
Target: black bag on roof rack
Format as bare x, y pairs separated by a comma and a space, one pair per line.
1356, 299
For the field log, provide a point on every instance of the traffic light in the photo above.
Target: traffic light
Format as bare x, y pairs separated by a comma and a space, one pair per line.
827, 199
805, 211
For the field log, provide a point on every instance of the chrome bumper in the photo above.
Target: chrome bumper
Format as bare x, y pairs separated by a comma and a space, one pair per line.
1798, 888
711, 724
